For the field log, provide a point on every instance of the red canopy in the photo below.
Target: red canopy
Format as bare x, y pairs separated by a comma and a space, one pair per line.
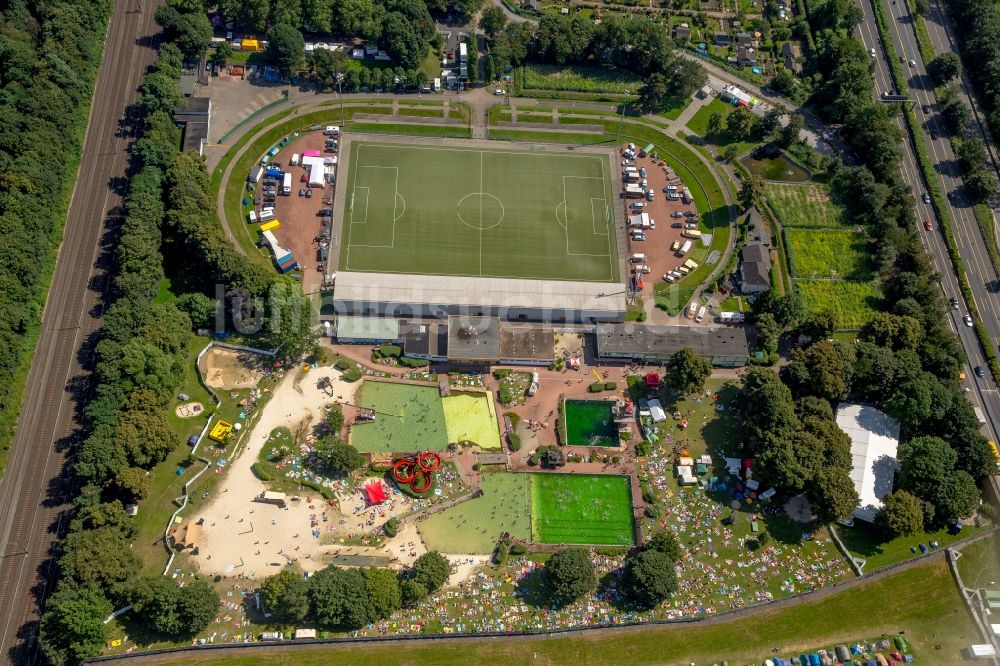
375, 493
652, 380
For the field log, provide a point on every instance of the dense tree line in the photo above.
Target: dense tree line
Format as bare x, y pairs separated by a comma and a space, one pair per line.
338, 598
978, 32
138, 369
49, 55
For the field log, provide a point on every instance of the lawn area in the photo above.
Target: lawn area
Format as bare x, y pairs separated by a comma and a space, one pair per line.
819, 253
407, 418
580, 79
854, 302
699, 125
581, 509
864, 541
979, 564
806, 205
475, 525
450, 210
922, 600
470, 417
774, 560
590, 423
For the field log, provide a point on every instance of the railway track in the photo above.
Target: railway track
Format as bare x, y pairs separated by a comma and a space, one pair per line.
36, 488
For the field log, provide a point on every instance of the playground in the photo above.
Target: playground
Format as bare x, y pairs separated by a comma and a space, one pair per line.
470, 417
407, 418
581, 509
590, 423
475, 525
189, 410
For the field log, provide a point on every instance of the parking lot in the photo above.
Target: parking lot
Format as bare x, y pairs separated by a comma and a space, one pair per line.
300, 218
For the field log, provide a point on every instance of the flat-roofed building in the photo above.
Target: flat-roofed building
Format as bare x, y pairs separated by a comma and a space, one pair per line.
473, 339
367, 330
724, 346
527, 345
426, 341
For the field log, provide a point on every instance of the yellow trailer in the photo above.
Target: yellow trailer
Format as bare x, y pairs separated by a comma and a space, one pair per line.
270, 226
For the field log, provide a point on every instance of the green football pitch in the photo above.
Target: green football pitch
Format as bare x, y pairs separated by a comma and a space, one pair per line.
443, 210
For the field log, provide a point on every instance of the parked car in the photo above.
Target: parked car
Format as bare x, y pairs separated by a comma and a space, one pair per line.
638, 235
642, 172
309, 194
638, 205
677, 213
690, 213
326, 212
677, 225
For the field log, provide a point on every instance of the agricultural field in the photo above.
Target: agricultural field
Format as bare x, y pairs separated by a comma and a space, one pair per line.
854, 302
407, 418
462, 211
580, 79
475, 525
828, 253
804, 206
581, 509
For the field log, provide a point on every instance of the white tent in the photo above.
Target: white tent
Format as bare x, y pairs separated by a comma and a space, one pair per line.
656, 411
874, 440
317, 170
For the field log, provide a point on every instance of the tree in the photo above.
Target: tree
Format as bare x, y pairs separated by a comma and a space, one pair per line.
819, 324
286, 596
900, 515
666, 543
653, 91
339, 598
191, 32
431, 570
768, 330
413, 592
334, 418
403, 41
730, 153
101, 514
570, 575
981, 185
715, 124
285, 46
337, 456
173, 610
199, 307
688, 371
492, 21
223, 52
384, 595
822, 369
832, 495
132, 482
957, 498
893, 331
789, 134
72, 628
945, 67
102, 557
752, 191
769, 124
740, 124
649, 578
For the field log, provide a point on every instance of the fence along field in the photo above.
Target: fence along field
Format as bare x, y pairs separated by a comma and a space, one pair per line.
416, 209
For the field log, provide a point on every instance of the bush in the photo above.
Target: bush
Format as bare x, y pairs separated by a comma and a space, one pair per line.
390, 351
514, 419
322, 490
533, 459
616, 459
408, 362
391, 527
642, 449
610, 386
501, 373
261, 473
352, 374
505, 395
518, 549
342, 364
652, 511
574, 459
596, 387
513, 441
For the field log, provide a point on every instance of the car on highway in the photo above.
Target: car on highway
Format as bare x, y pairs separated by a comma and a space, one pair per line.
872, 51
926, 108
979, 371
913, 63
926, 198
928, 225
954, 303
968, 320
933, 135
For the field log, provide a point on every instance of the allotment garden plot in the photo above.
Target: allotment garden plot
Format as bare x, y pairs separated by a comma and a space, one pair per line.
490, 212
805, 205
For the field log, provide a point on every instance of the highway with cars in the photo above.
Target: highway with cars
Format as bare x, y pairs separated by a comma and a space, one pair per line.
981, 391
35, 489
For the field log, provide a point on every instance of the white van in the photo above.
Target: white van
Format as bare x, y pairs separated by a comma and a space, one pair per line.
637, 258
640, 268
286, 185
253, 217
295, 160
266, 214
331, 130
